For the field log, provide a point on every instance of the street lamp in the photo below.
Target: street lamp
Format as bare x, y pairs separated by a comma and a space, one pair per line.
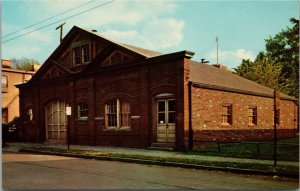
68, 112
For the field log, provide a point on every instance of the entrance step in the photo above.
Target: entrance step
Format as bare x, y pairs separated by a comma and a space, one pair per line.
162, 146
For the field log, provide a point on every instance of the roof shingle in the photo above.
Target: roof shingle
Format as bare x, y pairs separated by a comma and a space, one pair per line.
213, 76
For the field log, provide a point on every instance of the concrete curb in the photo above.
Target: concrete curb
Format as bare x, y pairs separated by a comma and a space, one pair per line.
163, 163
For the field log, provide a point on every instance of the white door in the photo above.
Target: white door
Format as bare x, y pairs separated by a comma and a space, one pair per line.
56, 121
166, 120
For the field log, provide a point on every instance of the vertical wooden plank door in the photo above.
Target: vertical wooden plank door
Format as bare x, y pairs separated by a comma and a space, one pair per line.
56, 121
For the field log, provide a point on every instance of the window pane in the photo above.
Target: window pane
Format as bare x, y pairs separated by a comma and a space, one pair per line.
161, 118
171, 117
252, 115
82, 110
111, 109
85, 53
125, 115
161, 106
171, 105
112, 120
76, 55
227, 114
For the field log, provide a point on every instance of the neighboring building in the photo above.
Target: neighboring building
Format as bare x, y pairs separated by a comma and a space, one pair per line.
10, 93
122, 95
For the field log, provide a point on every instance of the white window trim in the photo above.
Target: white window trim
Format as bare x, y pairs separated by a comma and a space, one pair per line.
78, 113
118, 113
80, 45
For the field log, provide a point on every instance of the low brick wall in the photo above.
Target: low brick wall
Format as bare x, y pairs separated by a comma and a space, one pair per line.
240, 135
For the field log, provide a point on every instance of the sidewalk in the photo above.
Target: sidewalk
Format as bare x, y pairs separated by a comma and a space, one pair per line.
163, 158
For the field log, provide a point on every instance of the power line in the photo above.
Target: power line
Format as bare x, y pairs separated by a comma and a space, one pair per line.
58, 21
48, 18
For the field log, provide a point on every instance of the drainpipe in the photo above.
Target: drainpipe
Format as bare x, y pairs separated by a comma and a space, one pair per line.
191, 142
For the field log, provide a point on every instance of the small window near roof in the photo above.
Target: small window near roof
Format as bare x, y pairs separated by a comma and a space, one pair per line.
227, 114
82, 111
85, 53
81, 54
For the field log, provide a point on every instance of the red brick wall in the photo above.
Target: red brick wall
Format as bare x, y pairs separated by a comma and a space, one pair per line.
207, 116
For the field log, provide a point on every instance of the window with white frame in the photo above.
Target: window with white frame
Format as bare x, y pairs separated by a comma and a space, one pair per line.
82, 111
81, 54
117, 114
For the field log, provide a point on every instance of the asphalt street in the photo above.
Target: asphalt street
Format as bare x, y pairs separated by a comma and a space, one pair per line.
29, 171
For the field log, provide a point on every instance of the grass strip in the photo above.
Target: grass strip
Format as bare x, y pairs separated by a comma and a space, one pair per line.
288, 170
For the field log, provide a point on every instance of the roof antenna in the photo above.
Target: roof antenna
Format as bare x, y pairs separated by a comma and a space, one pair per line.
94, 30
61, 30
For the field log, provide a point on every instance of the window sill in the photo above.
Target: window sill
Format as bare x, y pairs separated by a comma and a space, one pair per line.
252, 125
117, 129
82, 119
29, 122
226, 124
80, 64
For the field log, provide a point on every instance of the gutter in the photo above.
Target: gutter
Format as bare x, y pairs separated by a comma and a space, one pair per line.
233, 90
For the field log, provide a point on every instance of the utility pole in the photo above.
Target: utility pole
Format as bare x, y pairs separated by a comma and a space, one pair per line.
276, 122
61, 30
217, 40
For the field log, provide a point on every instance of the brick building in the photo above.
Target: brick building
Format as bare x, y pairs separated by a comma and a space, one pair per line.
10, 94
122, 95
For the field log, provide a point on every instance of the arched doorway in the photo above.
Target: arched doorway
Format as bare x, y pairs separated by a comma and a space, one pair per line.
56, 121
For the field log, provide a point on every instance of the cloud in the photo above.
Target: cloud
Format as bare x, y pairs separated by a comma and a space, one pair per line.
147, 24
230, 58
11, 51
118, 11
155, 35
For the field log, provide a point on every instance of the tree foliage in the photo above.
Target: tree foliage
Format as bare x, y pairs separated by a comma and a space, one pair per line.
24, 63
277, 67
263, 71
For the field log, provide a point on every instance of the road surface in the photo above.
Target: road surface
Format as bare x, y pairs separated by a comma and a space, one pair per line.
29, 171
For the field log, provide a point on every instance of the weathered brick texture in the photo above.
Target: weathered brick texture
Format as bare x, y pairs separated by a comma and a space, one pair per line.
207, 116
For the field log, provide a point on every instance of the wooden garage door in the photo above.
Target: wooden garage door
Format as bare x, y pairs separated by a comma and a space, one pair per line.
56, 121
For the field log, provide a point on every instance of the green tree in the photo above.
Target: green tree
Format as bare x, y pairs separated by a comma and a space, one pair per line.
283, 48
263, 71
277, 67
24, 63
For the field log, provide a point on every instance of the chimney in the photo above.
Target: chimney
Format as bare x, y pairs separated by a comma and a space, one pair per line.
6, 63
221, 66
35, 67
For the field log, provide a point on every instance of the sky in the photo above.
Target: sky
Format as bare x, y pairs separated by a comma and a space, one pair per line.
162, 25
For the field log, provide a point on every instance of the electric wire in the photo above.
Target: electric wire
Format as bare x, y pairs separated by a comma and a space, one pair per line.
58, 21
41, 21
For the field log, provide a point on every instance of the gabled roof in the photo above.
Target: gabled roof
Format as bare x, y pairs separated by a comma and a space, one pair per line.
212, 77
147, 53
142, 51
202, 74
